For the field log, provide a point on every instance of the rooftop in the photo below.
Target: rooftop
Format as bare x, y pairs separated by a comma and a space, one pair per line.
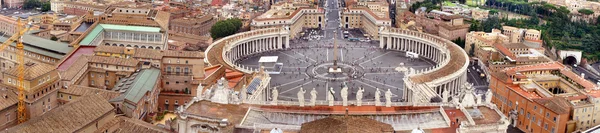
70, 117
346, 124
113, 61
142, 82
101, 27
79, 90
74, 55
42, 46
33, 70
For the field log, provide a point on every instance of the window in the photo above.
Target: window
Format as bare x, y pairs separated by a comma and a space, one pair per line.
527, 115
176, 102
554, 119
69, 97
176, 82
61, 95
546, 126
167, 83
167, 101
92, 82
92, 75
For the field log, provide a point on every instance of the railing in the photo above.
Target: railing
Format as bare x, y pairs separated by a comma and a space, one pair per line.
337, 103
220, 46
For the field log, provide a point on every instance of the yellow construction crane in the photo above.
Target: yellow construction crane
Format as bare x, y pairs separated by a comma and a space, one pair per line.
18, 37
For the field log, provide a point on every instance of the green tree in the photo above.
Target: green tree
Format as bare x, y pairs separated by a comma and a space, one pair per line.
460, 42
472, 50
493, 12
475, 26
46, 6
31, 4
222, 29
585, 11
53, 38
237, 23
491, 23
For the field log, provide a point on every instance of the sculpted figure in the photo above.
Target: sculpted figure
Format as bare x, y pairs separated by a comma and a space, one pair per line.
359, 95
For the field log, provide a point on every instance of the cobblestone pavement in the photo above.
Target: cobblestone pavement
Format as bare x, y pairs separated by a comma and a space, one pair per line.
306, 65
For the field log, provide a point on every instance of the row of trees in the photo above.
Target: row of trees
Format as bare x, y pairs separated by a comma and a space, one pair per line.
32, 4
560, 31
486, 25
225, 28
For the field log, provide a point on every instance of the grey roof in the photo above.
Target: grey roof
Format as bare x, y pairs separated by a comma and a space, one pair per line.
137, 85
43, 46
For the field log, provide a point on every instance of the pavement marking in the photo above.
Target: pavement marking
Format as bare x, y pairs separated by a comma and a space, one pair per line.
363, 56
305, 56
375, 57
380, 83
327, 51
289, 83
471, 74
291, 56
296, 87
342, 54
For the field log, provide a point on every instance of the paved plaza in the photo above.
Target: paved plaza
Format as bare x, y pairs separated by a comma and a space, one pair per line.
306, 64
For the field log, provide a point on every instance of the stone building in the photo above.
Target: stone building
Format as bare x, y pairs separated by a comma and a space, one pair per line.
370, 17
295, 16
105, 72
37, 50
139, 94
8, 108
41, 83
90, 113
546, 97
199, 25
452, 27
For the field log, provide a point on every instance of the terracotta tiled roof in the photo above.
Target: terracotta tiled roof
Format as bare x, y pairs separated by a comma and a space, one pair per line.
233, 113
109, 49
113, 61
185, 54
555, 104
32, 70
78, 90
128, 125
345, 124
70, 117
162, 18
75, 68
9, 100
147, 53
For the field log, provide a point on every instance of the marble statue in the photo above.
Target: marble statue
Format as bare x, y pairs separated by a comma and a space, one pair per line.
222, 93
479, 98
244, 93
468, 100
388, 98
445, 96
313, 97
377, 96
301, 96
344, 94
274, 95
330, 97
488, 97
359, 96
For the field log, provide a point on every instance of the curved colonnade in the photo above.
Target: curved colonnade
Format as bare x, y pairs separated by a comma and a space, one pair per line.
450, 73
226, 50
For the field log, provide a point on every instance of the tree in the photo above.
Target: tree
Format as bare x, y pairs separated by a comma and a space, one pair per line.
493, 12
460, 42
46, 6
491, 23
223, 28
31, 4
53, 38
475, 26
472, 50
585, 11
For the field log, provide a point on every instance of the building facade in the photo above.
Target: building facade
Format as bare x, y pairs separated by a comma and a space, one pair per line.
294, 16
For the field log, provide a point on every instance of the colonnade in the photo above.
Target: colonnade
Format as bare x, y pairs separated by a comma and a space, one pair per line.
435, 49
259, 45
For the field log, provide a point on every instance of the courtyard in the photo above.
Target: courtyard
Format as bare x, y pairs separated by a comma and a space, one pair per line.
306, 65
